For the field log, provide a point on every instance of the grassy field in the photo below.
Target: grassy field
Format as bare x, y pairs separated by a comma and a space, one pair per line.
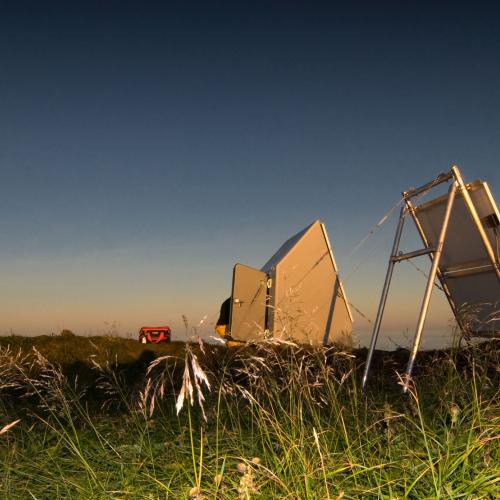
105, 417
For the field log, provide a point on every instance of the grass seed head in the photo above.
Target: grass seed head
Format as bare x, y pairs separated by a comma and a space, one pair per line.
242, 467
247, 485
454, 412
195, 492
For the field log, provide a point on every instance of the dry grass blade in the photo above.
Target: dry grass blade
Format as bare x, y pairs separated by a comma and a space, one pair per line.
199, 378
5, 429
186, 391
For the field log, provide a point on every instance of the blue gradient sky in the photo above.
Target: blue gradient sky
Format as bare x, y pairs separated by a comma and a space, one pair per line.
147, 147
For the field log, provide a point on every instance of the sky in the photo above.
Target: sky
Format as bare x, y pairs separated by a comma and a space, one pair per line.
146, 147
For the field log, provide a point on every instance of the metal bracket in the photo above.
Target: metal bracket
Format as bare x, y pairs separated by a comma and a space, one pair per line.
411, 255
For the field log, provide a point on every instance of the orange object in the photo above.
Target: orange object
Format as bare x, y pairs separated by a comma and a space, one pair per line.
155, 334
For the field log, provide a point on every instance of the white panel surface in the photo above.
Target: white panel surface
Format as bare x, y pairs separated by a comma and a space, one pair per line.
465, 265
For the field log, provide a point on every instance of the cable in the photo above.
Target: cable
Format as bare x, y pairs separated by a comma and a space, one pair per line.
424, 273
372, 230
360, 313
370, 233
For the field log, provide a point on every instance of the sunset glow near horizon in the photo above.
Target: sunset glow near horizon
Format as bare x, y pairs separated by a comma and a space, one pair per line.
145, 149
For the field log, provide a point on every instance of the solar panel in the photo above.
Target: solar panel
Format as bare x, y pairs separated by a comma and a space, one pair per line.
296, 295
465, 266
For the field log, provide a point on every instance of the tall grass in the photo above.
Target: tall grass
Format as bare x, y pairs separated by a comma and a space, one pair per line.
270, 420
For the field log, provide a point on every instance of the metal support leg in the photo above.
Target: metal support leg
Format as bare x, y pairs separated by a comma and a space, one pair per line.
444, 286
383, 299
430, 286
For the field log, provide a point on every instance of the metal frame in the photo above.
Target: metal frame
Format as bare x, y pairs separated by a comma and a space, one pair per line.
457, 185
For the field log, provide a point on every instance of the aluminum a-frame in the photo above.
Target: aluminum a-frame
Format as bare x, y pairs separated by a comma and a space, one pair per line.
461, 235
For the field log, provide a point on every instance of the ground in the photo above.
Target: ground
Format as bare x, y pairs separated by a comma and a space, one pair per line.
106, 417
